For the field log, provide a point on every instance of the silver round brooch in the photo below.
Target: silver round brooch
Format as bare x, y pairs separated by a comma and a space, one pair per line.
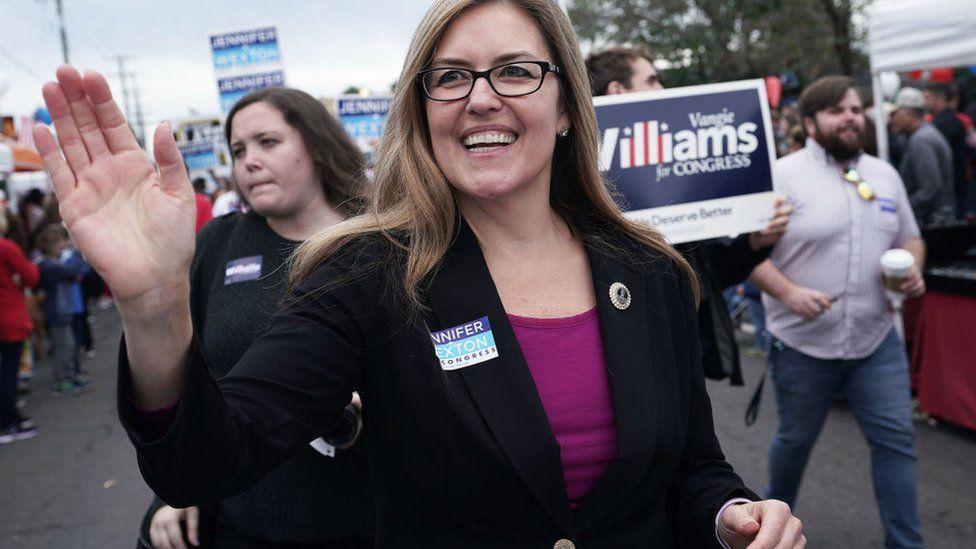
619, 296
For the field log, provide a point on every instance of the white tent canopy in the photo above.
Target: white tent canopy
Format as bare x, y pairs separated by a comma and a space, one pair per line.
908, 35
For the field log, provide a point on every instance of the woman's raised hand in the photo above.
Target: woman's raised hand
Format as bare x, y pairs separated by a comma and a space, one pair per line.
134, 225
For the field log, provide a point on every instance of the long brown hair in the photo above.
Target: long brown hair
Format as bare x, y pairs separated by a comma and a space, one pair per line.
338, 162
411, 195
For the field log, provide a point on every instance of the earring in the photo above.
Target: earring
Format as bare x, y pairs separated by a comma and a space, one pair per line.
563, 132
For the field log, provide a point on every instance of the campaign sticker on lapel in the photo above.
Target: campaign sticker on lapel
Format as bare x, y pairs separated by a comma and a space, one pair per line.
465, 345
242, 270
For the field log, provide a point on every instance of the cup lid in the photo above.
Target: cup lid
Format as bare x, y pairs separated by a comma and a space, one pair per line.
897, 258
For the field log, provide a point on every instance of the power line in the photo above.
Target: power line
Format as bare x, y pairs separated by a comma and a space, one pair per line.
110, 39
59, 8
30, 18
20, 65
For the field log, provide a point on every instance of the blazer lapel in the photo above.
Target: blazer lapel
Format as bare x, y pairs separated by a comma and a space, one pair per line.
636, 347
461, 291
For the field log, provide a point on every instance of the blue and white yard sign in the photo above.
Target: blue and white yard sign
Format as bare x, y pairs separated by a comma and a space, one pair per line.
198, 155
245, 61
694, 162
364, 118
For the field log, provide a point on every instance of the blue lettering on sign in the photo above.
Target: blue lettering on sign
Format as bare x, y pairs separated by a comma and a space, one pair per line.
251, 82
364, 126
465, 345
247, 55
369, 105
232, 89
242, 270
243, 38
676, 150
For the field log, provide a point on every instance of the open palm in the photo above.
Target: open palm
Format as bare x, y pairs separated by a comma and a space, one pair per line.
134, 225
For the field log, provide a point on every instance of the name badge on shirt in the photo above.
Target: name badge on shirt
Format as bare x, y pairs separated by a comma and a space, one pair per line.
887, 204
465, 345
242, 270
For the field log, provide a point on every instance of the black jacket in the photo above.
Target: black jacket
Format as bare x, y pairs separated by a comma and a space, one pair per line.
720, 263
461, 458
955, 133
309, 497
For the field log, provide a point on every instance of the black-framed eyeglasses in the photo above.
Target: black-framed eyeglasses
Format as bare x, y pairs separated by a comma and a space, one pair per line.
508, 80
864, 189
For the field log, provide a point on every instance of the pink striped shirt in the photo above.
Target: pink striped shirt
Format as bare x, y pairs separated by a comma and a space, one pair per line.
565, 357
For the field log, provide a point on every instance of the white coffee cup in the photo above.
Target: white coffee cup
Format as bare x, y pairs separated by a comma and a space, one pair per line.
895, 266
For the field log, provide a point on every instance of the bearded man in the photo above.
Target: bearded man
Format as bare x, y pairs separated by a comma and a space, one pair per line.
826, 307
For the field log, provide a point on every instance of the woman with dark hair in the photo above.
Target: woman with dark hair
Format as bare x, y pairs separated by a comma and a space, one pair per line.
528, 356
300, 174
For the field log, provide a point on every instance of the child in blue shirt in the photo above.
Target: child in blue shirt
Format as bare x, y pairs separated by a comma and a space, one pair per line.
57, 281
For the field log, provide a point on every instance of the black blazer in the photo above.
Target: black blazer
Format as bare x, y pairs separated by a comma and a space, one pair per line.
461, 458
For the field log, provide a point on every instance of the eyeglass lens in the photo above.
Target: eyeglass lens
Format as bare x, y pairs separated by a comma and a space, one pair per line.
509, 80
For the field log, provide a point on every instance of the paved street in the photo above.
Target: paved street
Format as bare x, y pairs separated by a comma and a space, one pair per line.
76, 484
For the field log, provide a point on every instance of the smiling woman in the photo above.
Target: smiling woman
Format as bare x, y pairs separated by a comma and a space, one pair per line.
528, 357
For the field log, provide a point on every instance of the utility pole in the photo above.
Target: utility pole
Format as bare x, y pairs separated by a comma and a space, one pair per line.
139, 121
64, 35
123, 79
127, 80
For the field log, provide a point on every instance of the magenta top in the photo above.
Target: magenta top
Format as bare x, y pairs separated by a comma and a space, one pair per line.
565, 357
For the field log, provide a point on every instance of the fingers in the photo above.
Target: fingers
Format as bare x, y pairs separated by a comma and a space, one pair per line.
57, 168
913, 285
81, 108
71, 143
161, 536
822, 299
810, 303
738, 520
193, 524
773, 517
172, 172
110, 118
175, 535
164, 530
792, 536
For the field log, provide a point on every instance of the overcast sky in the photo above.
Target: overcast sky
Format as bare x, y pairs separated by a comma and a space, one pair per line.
326, 45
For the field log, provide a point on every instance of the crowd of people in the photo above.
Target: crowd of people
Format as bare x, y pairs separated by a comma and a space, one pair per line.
47, 291
475, 347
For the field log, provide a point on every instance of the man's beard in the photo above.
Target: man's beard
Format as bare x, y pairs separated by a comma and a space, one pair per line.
837, 147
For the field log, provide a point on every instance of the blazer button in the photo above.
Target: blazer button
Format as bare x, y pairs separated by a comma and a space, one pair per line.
564, 544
